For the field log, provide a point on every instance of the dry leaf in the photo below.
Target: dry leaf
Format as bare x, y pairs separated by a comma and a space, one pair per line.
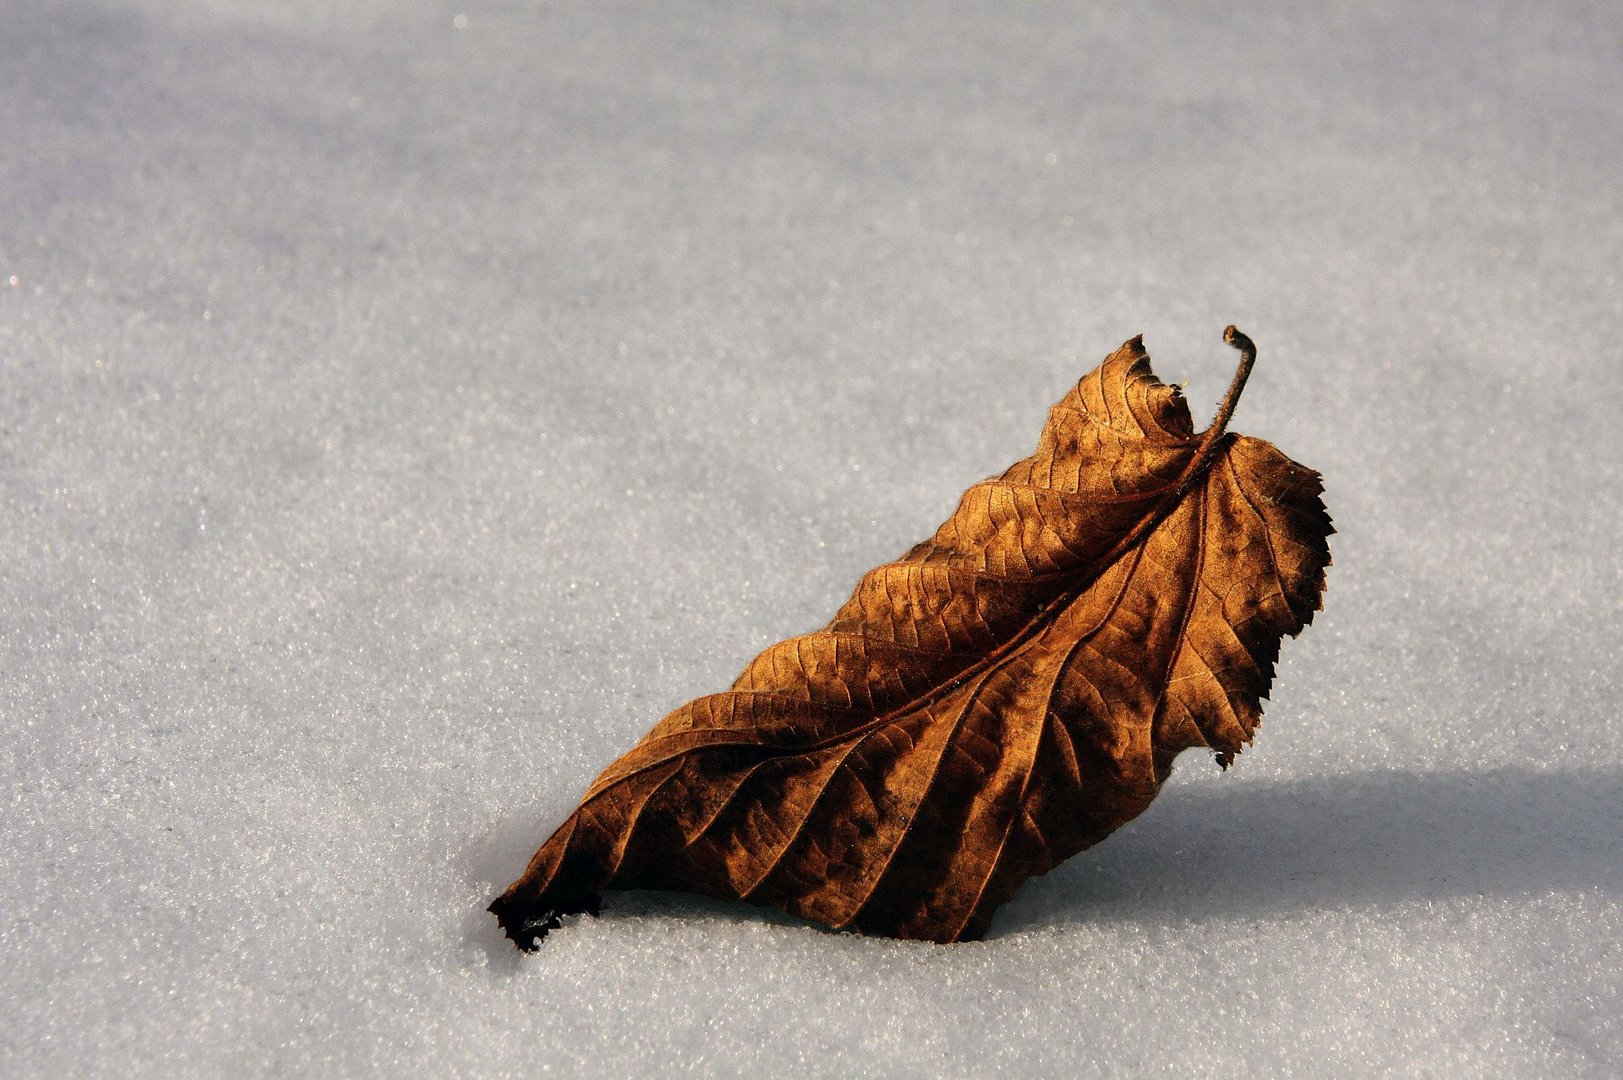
999, 698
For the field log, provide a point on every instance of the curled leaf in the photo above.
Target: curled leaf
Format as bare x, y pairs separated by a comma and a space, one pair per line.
1002, 696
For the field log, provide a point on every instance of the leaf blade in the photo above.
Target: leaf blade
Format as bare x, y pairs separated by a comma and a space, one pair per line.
1000, 697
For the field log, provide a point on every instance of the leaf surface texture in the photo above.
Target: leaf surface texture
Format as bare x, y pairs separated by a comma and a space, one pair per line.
1002, 696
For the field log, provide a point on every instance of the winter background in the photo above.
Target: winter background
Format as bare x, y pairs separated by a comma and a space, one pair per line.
405, 405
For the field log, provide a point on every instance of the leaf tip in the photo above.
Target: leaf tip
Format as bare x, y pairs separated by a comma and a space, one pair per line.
526, 922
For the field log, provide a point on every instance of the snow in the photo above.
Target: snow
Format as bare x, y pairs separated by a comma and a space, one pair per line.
404, 405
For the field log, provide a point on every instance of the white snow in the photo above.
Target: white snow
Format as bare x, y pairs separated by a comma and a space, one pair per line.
403, 405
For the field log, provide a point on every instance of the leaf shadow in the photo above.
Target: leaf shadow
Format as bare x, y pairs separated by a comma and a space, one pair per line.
1238, 848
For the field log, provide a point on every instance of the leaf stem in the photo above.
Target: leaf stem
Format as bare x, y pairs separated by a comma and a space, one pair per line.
1208, 443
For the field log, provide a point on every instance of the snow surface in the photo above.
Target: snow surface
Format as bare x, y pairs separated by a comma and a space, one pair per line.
404, 405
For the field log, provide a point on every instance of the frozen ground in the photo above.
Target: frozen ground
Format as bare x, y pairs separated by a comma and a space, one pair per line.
403, 406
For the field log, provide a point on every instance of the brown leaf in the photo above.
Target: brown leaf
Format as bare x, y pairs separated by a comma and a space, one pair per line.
999, 698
